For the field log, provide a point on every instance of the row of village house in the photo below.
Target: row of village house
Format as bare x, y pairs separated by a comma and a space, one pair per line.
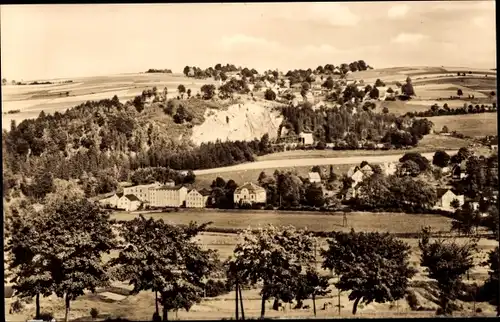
157, 195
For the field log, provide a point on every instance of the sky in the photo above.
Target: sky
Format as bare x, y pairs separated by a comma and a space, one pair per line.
57, 41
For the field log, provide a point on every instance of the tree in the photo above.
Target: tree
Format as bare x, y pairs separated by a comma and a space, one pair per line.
410, 167
373, 266
445, 129
379, 83
459, 92
385, 110
189, 92
441, 159
390, 90
163, 258
314, 196
275, 257
491, 285
374, 93
208, 91
306, 86
74, 226
186, 70
309, 285
29, 268
270, 95
422, 162
181, 89
446, 263
4, 81
329, 83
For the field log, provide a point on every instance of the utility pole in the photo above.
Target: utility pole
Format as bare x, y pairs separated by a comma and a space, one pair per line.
237, 302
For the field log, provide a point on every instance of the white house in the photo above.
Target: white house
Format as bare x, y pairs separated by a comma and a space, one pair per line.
141, 191
314, 177
445, 199
306, 138
129, 203
168, 196
194, 199
111, 201
250, 193
367, 170
357, 177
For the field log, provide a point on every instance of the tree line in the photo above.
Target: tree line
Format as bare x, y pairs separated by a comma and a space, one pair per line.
435, 110
166, 71
44, 253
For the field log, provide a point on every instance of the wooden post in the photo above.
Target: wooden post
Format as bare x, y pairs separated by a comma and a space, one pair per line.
338, 295
237, 302
241, 304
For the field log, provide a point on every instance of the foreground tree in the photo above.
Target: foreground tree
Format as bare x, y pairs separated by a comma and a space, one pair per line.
208, 91
181, 89
373, 266
446, 263
491, 285
76, 232
310, 285
28, 267
163, 258
274, 257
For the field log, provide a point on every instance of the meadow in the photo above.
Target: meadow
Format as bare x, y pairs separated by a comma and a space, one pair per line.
473, 125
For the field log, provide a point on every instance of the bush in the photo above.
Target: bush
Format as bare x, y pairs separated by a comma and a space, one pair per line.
46, 316
269, 207
156, 317
215, 288
412, 300
16, 306
94, 313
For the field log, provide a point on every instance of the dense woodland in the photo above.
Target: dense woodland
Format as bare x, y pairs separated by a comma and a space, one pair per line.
103, 143
341, 124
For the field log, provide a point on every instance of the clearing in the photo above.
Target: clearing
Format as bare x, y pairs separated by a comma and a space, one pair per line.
473, 125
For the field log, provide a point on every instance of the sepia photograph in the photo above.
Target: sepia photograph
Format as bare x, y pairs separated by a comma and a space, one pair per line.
249, 161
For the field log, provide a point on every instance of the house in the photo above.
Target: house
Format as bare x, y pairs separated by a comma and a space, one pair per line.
445, 199
357, 177
194, 199
314, 177
168, 196
309, 97
389, 169
111, 201
306, 138
250, 193
297, 100
367, 170
129, 203
141, 191
445, 170
352, 170
459, 171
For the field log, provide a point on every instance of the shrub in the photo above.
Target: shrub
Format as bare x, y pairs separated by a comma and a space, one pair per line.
16, 306
156, 317
94, 313
412, 300
269, 207
46, 316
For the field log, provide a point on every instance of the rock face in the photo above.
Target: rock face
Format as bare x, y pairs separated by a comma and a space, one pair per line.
242, 122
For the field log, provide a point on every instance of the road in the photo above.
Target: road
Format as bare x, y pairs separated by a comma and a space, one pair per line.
288, 163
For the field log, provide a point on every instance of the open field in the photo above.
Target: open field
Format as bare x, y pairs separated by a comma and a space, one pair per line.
314, 221
303, 161
469, 124
32, 99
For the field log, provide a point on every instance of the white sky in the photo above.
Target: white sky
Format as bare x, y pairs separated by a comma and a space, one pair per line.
50, 41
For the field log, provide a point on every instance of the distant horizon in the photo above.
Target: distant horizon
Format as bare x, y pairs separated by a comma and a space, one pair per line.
58, 42
174, 72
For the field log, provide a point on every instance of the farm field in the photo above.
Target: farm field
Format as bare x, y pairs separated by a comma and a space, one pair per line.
32, 99
304, 161
468, 124
314, 221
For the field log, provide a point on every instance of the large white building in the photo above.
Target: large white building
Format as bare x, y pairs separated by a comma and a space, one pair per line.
306, 138
250, 193
141, 191
168, 196
196, 199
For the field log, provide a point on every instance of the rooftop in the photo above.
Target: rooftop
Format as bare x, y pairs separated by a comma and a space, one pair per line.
132, 198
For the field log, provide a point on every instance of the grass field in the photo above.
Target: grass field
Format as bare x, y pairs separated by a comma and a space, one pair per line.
314, 221
468, 124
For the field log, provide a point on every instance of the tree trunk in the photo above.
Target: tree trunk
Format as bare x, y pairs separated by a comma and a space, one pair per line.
299, 304
37, 302
355, 306
66, 315
165, 313
241, 303
314, 304
263, 307
156, 303
237, 302
276, 305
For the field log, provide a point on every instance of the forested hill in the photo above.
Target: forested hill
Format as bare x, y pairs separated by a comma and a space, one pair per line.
105, 142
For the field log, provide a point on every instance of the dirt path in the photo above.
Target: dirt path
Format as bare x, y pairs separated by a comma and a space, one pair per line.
286, 163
